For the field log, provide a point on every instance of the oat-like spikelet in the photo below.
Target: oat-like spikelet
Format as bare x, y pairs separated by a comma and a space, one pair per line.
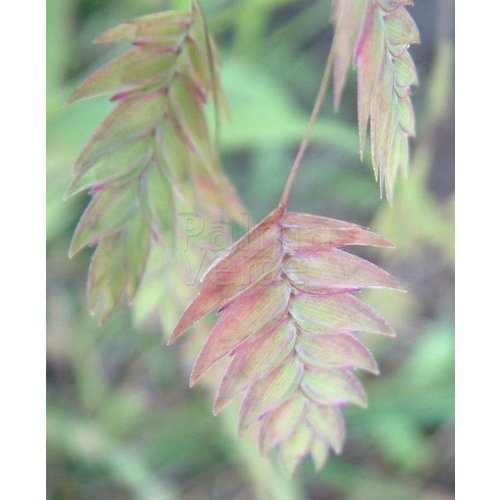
153, 157
289, 319
375, 35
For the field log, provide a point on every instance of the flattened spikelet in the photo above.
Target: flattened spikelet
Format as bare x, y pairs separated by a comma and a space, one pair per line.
290, 328
376, 35
153, 156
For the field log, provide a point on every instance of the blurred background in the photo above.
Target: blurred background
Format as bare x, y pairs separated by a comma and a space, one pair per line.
121, 420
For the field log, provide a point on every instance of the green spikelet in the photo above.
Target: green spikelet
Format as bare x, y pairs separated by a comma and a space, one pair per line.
376, 35
153, 157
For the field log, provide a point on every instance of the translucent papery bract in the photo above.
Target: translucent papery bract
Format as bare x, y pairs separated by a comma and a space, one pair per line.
153, 158
289, 321
376, 35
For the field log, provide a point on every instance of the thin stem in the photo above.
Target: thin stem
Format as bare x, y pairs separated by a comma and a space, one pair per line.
312, 120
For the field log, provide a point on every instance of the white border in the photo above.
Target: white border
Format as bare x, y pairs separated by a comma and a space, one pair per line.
22, 209
478, 249
23, 267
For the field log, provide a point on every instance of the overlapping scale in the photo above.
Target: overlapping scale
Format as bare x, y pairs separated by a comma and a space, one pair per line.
291, 333
376, 36
153, 157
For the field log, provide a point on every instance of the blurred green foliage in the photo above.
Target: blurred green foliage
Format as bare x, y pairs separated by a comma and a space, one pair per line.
121, 421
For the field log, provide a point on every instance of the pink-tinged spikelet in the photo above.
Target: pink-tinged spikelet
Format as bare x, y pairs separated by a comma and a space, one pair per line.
375, 35
289, 319
152, 154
